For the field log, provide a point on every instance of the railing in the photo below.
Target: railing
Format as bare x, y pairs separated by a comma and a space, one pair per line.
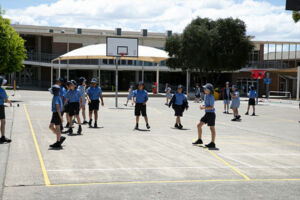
271, 64
41, 57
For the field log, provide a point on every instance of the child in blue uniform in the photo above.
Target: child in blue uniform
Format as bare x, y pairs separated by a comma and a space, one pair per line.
197, 93
252, 95
235, 104
3, 98
168, 94
209, 118
62, 93
57, 119
179, 103
75, 99
129, 96
140, 97
94, 93
227, 98
81, 88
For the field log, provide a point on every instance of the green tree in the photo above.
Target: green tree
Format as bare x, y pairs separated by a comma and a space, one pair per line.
296, 16
12, 50
210, 46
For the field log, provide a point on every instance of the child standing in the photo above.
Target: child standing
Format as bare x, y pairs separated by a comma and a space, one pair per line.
252, 95
235, 104
130, 94
209, 118
62, 93
168, 94
81, 88
75, 99
227, 98
3, 98
94, 92
197, 93
57, 118
140, 97
179, 103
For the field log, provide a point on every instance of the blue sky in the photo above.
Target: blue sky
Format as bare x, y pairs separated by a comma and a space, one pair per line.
265, 19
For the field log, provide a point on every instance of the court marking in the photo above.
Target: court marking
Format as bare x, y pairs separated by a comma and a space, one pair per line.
175, 181
229, 165
44, 171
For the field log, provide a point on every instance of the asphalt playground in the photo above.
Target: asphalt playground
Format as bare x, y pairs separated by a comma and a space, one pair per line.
257, 158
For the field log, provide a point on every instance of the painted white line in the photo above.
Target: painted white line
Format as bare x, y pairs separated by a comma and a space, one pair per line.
259, 154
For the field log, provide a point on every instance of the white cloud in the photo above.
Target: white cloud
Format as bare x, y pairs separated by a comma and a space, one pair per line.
263, 20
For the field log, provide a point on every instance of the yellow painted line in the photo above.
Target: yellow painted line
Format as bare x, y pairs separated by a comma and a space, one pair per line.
46, 178
175, 181
229, 165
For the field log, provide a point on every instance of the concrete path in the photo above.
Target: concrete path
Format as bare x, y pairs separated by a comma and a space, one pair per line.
257, 158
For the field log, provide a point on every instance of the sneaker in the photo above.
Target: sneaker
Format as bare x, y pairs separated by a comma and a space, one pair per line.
70, 131
246, 113
67, 125
253, 114
234, 119
166, 104
84, 122
79, 131
238, 116
90, 123
136, 127
227, 112
176, 125
3, 139
180, 126
61, 127
198, 142
95, 125
211, 145
224, 112
147, 125
62, 139
56, 145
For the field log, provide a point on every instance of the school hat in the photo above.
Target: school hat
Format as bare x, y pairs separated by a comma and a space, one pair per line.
81, 80
68, 83
234, 86
3, 81
73, 82
227, 83
141, 83
60, 79
55, 90
252, 87
180, 87
209, 87
94, 80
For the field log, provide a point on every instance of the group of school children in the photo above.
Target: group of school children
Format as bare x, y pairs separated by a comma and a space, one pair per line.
233, 95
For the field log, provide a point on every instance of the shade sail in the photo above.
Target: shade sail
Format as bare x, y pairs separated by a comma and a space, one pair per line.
98, 51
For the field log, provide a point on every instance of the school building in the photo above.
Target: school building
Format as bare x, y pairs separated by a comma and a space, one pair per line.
44, 43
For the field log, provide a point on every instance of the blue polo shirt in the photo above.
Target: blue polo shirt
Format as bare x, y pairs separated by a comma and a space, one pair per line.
81, 88
3, 96
197, 91
94, 92
140, 96
252, 94
179, 98
209, 100
56, 100
62, 92
73, 96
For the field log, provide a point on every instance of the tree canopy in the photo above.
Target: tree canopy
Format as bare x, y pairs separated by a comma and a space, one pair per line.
296, 16
210, 46
12, 50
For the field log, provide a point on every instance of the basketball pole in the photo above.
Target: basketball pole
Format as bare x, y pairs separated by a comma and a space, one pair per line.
116, 82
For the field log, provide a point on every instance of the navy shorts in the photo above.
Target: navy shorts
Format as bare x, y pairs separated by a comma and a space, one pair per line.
2, 112
209, 118
55, 119
178, 110
74, 108
140, 108
251, 102
94, 105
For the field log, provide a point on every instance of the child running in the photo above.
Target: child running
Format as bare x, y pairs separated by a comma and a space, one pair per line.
75, 99
57, 118
129, 97
168, 94
227, 98
179, 103
3, 98
209, 118
252, 95
140, 97
94, 93
81, 88
235, 104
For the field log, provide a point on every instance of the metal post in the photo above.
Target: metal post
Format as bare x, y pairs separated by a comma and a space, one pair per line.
116, 82
275, 56
295, 55
51, 73
268, 55
267, 85
157, 77
289, 55
257, 84
58, 68
281, 61
68, 71
99, 72
298, 83
143, 71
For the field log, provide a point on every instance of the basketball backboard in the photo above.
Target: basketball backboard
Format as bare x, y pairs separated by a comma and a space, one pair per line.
121, 46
